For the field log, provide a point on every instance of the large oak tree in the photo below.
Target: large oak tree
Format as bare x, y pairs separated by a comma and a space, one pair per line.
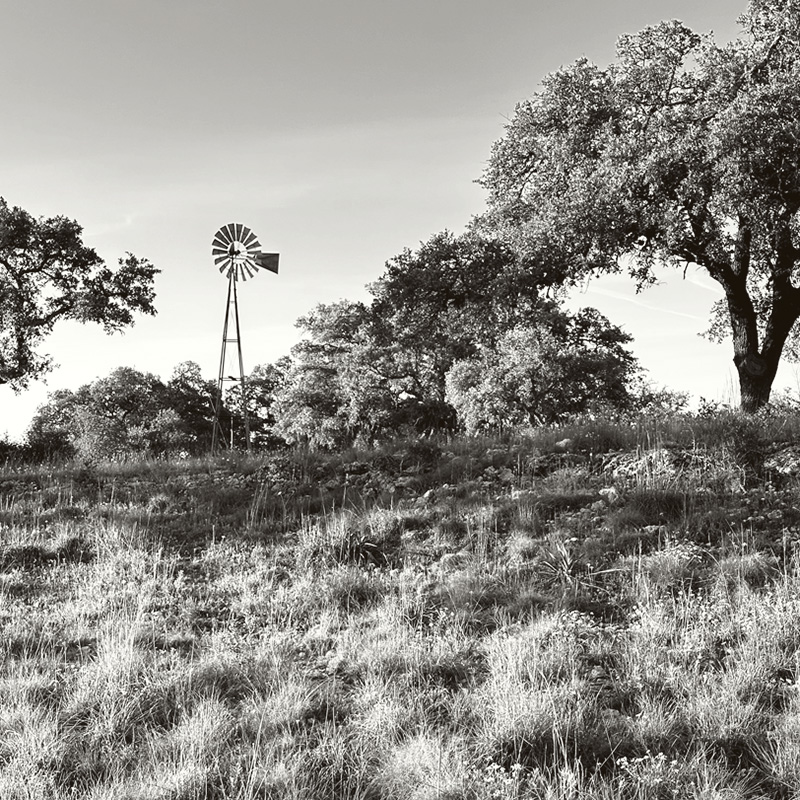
48, 274
680, 152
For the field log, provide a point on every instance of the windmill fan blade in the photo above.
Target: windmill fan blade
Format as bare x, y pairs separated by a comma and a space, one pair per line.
268, 261
251, 242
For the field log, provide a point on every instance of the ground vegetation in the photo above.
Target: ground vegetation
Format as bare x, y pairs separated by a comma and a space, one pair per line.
596, 610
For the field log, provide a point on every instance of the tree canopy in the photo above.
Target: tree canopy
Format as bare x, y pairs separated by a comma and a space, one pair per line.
365, 370
129, 412
333, 390
47, 274
555, 366
362, 372
441, 302
680, 152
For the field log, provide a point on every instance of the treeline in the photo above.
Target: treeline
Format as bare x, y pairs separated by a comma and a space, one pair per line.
131, 413
459, 335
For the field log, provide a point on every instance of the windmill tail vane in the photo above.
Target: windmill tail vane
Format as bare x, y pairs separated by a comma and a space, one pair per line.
268, 261
237, 252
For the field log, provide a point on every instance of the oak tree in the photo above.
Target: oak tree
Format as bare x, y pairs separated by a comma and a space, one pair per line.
48, 274
555, 366
364, 371
332, 390
440, 303
681, 152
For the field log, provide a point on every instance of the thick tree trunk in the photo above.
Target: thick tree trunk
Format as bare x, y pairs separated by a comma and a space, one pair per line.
755, 374
758, 365
755, 381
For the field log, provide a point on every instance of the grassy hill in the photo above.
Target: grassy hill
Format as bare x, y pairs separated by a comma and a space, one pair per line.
601, 611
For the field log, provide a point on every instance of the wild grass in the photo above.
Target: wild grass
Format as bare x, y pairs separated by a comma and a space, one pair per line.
604, 610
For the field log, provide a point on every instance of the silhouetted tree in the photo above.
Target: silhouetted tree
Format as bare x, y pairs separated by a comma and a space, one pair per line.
47, 274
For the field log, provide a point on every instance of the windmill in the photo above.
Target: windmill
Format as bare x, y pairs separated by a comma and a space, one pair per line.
237, 254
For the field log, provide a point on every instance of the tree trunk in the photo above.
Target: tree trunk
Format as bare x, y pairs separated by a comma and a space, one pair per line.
757, 366
756, 375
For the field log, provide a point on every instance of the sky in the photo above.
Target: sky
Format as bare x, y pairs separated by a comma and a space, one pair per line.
340, 131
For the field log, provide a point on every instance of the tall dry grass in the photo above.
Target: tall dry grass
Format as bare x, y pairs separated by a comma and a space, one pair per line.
470, 619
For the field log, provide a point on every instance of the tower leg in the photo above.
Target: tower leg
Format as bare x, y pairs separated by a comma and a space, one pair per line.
242, 379
217, 435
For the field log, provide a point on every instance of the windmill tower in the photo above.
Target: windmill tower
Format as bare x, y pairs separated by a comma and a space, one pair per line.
237, 254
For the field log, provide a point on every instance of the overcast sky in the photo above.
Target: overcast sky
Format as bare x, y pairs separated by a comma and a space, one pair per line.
340, 131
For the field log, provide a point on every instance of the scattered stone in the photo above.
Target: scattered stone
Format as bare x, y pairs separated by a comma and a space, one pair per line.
610, 495
356, 468
650, 464
505, 475
785, 461
669, 466
661, 530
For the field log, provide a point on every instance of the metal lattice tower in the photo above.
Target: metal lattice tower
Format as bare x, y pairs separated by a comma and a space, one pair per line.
237, 254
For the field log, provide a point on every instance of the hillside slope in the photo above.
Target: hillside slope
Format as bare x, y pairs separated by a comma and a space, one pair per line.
604, 611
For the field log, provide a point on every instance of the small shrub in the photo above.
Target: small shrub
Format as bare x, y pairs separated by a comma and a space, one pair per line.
753, 569
674, 566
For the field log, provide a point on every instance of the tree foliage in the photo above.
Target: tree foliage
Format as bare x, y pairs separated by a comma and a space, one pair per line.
126, 413
681, 152
48, 274
191, 397
440, 303
121, 414
262, 386
543, 372
333, 390
363, 372
132, 413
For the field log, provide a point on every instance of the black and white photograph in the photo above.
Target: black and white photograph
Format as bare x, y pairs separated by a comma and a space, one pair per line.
399, 400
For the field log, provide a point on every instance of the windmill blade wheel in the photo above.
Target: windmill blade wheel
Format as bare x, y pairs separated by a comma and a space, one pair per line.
236, 251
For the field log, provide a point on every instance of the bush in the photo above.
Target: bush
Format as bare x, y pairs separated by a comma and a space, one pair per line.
543, 373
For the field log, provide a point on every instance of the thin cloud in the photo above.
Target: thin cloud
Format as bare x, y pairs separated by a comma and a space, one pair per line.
648, 306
